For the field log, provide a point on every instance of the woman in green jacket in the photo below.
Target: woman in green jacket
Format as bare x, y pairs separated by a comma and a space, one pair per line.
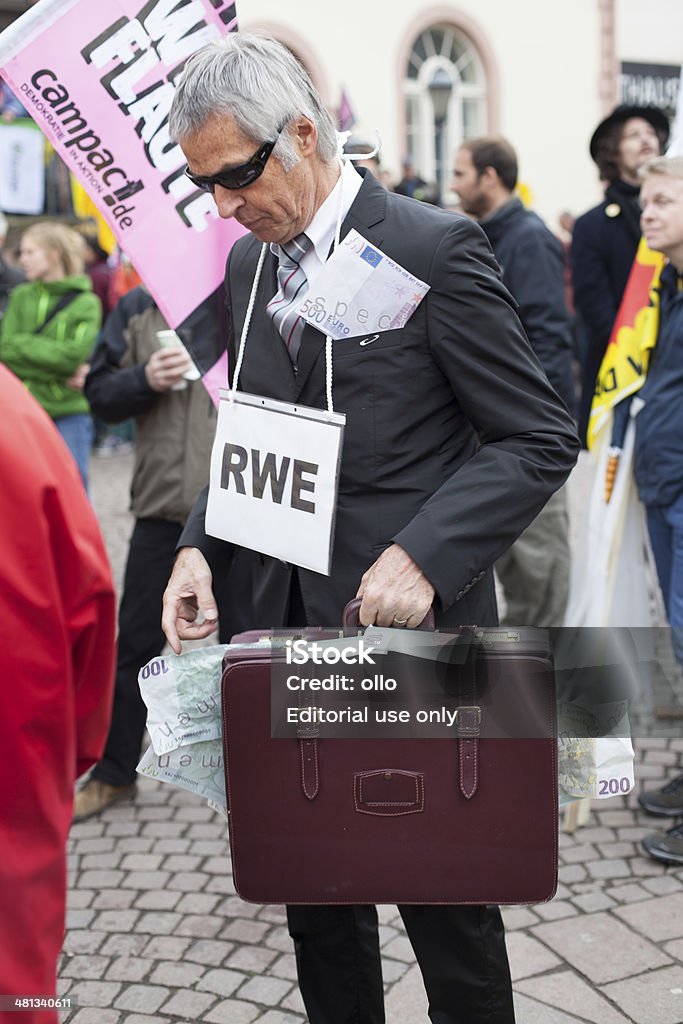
50, 328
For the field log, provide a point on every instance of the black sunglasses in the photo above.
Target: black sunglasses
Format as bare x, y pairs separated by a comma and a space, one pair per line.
241, 176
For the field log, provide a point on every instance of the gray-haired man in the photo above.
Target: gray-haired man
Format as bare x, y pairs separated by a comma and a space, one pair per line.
658, 456
453, 442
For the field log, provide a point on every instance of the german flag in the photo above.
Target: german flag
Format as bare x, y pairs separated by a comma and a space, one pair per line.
624, 365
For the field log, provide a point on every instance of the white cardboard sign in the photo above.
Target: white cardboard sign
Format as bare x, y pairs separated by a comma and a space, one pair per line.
274, 478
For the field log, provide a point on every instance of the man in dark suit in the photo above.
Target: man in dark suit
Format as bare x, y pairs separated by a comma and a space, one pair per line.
454, 440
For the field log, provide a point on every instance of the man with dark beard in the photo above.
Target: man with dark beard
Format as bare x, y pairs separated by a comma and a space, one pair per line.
534, 571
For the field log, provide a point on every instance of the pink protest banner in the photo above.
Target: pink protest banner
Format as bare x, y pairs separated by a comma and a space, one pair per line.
98, 78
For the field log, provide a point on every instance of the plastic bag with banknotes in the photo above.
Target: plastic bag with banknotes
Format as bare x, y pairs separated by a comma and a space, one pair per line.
597, 678
592, 763
197, 768
183, 698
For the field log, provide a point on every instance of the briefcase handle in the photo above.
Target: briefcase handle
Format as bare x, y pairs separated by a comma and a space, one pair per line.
351, 621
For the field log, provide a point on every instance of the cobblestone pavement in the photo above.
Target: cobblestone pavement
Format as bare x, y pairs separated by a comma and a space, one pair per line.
156, 933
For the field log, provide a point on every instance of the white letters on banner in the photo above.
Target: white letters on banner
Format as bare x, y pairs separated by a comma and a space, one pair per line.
99, 78
274, 479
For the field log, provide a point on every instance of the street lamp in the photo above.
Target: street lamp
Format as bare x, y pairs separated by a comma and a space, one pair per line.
440, 89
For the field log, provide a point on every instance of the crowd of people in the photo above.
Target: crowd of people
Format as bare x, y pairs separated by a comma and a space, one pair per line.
489, 385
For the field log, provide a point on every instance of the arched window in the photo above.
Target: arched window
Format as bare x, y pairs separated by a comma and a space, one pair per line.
442, 56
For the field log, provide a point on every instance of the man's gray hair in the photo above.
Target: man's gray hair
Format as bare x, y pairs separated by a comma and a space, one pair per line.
671, 165
4, 225
259, 83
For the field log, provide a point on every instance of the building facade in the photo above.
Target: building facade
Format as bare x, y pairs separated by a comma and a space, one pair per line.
541, 72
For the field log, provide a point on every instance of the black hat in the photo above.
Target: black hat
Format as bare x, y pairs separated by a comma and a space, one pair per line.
656, 117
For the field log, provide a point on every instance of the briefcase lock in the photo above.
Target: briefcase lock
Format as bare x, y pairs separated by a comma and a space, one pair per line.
388, 792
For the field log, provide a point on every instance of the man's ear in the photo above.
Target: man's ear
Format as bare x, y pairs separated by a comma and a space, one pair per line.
489, 177
305, 137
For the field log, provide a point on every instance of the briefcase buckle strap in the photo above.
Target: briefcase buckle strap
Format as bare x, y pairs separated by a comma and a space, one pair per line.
309, 768
307, 731
468, 724
307, 734
468, 720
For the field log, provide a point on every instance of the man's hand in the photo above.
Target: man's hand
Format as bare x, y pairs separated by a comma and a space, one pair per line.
395, 591
188, 593
166, 367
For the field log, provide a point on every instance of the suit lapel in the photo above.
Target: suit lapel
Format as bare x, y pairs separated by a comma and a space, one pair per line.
368, 210
365, 215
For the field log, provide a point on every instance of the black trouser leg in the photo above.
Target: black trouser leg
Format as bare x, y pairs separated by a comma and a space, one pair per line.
338, 963
460, 950
462, 956
150, 561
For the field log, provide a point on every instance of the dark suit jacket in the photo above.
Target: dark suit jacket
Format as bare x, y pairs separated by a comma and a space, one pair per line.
532, 264
454, 439
602, 252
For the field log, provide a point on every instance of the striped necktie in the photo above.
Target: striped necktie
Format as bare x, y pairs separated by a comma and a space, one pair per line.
291, 288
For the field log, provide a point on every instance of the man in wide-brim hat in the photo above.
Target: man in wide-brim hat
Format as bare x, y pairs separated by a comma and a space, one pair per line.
606, 238
607, 138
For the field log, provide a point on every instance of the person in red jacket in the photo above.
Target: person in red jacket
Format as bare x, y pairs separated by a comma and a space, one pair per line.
57, 635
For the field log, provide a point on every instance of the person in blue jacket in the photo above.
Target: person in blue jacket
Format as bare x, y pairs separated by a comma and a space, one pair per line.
534, 571
658, 459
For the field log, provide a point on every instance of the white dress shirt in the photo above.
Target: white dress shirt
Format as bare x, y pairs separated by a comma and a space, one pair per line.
323, 227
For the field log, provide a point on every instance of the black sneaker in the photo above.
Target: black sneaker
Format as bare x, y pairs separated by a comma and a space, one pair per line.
667, 801
666, 846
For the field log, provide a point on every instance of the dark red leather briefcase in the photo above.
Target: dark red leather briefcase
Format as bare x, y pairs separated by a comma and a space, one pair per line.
472, 819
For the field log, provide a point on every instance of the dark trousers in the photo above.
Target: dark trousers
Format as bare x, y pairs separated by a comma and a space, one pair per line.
665, 527
150, 560
151, 555
460, 950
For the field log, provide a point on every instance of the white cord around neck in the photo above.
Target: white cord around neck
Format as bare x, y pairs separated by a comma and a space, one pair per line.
328, 339
252, 301
247, 318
